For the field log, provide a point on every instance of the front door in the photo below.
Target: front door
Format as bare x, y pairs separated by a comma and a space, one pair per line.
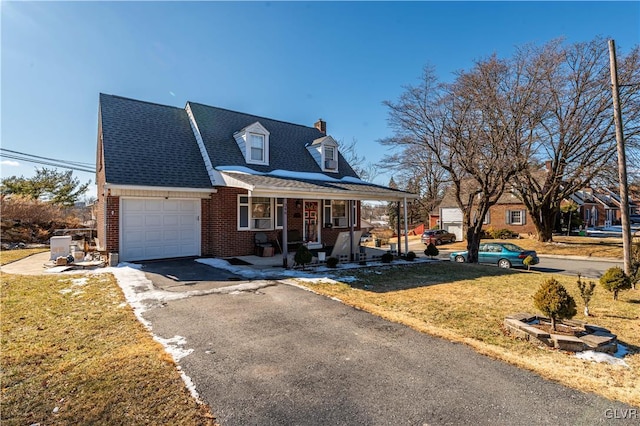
311, 221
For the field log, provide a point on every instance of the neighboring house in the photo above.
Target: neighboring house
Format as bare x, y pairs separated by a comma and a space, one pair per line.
599, 206
202, 181
508, 213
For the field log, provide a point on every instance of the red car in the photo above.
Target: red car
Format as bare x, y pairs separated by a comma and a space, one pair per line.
437, 237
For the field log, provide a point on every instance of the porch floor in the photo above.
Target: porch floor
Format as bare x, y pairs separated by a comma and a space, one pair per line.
258, 262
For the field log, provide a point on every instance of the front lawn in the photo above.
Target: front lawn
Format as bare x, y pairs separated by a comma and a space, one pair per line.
467, 303
72, 352
562, 245
8, 256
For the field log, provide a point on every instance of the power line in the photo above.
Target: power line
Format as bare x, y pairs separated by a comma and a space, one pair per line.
72, 165
76, 163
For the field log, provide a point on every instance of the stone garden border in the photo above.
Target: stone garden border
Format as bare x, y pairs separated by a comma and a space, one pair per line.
595, 338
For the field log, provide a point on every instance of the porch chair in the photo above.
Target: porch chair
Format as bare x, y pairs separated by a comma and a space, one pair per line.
261, 242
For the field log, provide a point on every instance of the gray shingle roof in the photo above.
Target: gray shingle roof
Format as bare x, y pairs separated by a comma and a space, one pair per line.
287, 141
150, 145
310, 185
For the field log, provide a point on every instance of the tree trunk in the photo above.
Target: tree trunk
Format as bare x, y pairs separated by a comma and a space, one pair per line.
473, 243
553, 323
544, 219
586, 311
615, 294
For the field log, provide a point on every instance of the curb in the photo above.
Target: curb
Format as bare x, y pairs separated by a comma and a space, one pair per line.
571, 257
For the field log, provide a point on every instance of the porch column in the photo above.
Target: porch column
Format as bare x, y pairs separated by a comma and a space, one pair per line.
406, 229
351, 220
285, 253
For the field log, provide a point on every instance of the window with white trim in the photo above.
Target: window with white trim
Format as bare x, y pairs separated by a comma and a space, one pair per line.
279, 212
487, 219
256, 147
336, 212
257, 213
330, 157
515, 217
253, 142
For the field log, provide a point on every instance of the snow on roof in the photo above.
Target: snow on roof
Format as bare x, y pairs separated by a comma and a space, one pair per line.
289, 174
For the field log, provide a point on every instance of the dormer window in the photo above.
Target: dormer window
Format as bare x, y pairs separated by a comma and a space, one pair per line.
330, 158
253, 142
257, 147
325, 151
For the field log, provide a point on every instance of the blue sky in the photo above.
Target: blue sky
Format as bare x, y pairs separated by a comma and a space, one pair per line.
291, 61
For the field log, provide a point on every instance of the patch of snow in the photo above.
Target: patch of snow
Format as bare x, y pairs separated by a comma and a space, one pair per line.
173, 346
65, 291
302, 175
352, 179
139, 291
289, 174
317, 280
603, 357
79, 281
239, 169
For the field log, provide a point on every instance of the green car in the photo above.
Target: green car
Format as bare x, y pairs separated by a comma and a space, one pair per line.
505, 255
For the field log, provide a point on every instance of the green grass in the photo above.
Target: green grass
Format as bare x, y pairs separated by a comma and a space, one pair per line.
468, 303
71, 344
8, 256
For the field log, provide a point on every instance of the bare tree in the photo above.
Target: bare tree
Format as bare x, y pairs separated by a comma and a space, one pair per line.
365, 170
476, 130
416, 170
575, 142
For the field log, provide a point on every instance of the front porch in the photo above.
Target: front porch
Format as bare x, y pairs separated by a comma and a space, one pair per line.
367, 254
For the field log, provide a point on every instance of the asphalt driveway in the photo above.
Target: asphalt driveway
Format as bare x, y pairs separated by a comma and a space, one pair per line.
282, 355
186, 274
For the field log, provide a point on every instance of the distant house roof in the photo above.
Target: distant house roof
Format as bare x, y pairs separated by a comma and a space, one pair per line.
148, 144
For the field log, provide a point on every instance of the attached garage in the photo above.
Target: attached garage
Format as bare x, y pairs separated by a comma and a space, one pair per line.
159, 228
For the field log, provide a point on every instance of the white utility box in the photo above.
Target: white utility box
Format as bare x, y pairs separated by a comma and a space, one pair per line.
60, 246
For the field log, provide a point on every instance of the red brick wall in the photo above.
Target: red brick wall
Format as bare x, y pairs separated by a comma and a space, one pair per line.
220, 234
497, 219
206, 226
112, 243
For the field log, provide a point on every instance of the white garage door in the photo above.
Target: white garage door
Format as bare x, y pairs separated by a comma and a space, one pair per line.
157, 228
455, 229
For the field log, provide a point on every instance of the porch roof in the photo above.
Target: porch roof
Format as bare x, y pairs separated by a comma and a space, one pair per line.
290, 187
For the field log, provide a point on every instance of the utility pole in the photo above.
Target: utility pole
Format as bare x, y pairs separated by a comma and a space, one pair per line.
622, 160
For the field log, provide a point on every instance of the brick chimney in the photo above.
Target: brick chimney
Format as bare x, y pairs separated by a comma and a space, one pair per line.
321, 125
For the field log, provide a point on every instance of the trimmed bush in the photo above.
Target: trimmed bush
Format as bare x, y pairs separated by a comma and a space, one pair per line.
303, 256
386, 258
528, 261
553, 300
615, 280
431, 250
332, 262
410, 256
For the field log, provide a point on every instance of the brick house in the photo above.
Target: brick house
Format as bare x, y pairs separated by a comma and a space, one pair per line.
508, 213
599, 206
203, 181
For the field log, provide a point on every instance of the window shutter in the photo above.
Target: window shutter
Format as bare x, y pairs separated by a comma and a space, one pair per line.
507, 217
523, 215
